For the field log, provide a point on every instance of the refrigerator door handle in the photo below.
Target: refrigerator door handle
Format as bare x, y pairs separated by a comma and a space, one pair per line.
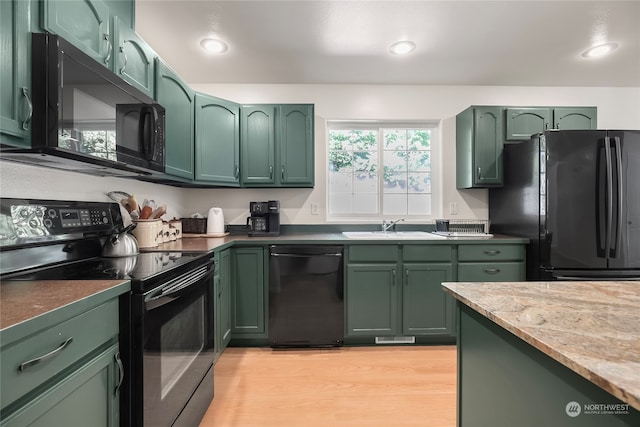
620, 196
607, 151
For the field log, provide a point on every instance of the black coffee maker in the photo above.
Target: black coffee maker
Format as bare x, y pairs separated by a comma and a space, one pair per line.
264, 219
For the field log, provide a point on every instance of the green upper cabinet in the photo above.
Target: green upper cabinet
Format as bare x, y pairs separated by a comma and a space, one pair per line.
568, 118
277, 144
178, 100
295, 142
522, 122
84, 23
133, 58
479, 143
217, 141
15, 73
257, 145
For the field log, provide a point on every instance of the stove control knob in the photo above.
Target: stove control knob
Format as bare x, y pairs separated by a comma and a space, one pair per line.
48, 223
52, 213
33, 223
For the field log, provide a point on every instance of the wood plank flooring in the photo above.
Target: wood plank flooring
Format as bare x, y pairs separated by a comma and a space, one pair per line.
346, 387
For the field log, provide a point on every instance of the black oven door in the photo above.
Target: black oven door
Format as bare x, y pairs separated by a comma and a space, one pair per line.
177, 329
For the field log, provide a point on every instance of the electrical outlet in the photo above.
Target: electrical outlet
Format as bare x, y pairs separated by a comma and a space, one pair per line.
453, 208
315, 209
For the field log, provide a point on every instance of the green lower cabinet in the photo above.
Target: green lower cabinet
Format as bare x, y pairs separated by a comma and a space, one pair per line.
426, 309
87, 397
248, 314
372, 299
222, 283
505, 382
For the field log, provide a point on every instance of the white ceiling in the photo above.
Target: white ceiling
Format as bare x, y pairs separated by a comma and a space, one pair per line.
509, 43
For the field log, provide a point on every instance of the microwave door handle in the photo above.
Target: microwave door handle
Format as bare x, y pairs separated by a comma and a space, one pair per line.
144, 142
154, 145
620, 196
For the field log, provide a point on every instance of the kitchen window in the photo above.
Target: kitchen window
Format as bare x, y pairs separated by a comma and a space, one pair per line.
382, 170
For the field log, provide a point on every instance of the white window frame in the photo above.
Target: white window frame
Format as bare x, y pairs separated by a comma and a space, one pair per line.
436, 168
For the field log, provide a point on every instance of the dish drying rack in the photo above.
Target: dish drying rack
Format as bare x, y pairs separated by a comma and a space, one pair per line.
469, 226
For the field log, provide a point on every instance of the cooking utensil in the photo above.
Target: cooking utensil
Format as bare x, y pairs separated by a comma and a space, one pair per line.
158, 212
121, 244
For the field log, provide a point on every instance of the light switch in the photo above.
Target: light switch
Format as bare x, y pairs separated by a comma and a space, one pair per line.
453, 208
315, 209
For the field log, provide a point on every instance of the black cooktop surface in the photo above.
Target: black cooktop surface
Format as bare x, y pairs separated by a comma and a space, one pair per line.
137, 268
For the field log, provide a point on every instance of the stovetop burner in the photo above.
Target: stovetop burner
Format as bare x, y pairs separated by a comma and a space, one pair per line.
139, 267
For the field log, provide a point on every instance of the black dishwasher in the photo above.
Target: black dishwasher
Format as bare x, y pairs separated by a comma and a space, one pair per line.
306, 296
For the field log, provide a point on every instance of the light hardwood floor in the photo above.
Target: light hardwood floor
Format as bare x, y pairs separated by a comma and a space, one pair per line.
346, 387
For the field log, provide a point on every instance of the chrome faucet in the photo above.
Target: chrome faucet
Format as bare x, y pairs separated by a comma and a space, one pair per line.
387, 225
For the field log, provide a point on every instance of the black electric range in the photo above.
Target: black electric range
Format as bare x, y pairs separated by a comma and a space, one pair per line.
167, 319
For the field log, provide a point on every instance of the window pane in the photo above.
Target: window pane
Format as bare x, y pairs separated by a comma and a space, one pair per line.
395, 204
365, 183
365, 203
340, 161
340, 140
395, 161
419, 204
364, 139
419, 161
365, 161
340, 203
419, 183
419, 139
395, 182
395, 139
340, 182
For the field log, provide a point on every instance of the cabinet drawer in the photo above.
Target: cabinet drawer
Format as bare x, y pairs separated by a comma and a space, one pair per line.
87, 332
491, 272
373, 253
426, 253
490, 252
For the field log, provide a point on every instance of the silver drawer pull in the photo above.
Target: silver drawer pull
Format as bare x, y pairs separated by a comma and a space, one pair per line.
491, 270
120, 372
492, 252
44, 357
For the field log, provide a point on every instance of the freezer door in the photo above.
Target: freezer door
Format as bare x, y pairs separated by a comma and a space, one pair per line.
574, 224
624, 244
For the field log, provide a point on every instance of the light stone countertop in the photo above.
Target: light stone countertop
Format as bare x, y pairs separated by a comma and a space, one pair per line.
592, 328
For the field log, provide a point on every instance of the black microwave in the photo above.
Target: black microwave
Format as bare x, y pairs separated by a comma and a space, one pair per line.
88, 118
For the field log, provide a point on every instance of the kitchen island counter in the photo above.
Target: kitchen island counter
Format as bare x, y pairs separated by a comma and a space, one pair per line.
591, 328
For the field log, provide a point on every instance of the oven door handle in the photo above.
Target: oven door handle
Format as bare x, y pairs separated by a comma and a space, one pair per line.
180, 283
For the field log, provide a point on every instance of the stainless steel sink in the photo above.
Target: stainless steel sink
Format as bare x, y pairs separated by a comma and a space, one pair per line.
397, 235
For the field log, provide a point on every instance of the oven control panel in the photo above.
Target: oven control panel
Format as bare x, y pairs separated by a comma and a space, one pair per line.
47, 219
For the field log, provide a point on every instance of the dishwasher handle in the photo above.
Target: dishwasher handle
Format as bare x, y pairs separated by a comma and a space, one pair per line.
275, 254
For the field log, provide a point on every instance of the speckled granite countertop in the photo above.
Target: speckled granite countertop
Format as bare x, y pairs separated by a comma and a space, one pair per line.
592, 328
24, 300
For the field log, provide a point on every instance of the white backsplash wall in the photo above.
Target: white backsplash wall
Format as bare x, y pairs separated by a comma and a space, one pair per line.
617, 108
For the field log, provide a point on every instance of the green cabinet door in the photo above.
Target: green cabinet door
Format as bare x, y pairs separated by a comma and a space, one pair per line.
568, 118
178, 100
217, 141
295, 144
89, 396
479, 143
224, 296
84, 23
133, 59
426, 308
15, 73
527, 121
257, 145
372, 299
248, 293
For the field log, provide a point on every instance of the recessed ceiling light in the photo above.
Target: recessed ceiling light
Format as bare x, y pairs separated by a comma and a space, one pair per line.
599, 50
402, 48
213, 45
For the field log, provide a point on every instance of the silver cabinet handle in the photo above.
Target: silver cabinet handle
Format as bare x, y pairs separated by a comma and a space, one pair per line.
236, 171
406, 277
479, 172
270, 171
110, 48
282, 173
393, 273
25, 123
125, 60
491, 270
44, 357
492, 252
120, 372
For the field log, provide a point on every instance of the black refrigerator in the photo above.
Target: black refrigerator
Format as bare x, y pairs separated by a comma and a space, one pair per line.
576, 195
